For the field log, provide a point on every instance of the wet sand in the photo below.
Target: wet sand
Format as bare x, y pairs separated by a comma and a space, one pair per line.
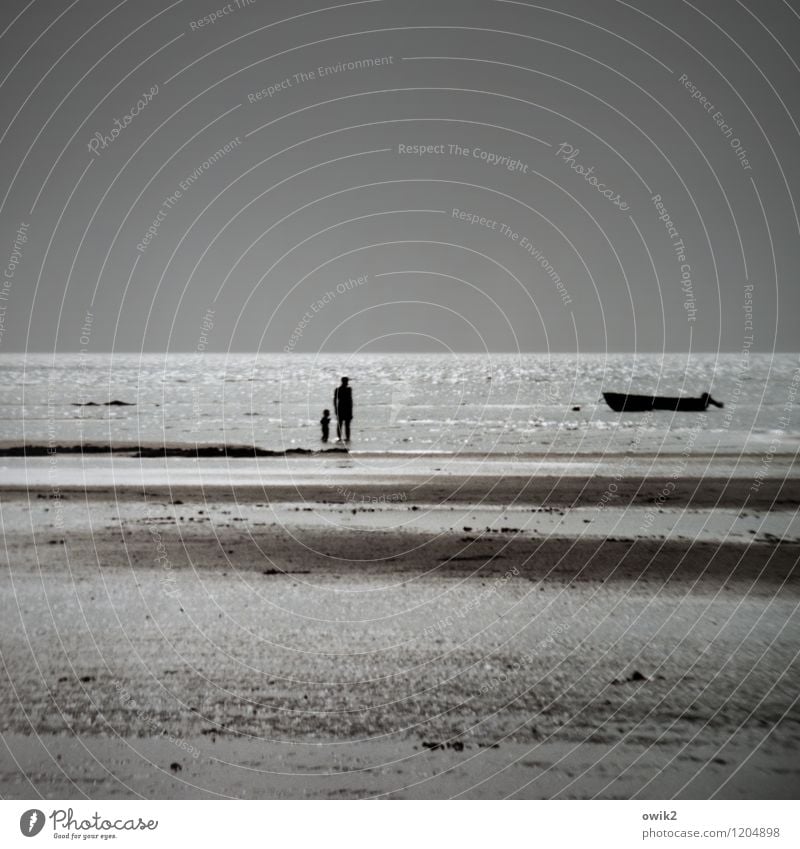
740, 482
163, 642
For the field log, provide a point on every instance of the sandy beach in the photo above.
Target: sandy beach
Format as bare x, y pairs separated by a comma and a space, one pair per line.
481, 636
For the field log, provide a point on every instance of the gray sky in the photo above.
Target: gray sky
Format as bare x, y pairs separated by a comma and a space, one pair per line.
550, 128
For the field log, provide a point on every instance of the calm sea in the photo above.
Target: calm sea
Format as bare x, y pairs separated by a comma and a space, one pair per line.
530, 403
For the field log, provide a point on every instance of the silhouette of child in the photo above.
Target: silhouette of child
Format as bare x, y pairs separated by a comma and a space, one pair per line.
325, 422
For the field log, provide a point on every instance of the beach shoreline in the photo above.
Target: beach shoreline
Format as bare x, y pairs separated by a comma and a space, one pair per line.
665, 479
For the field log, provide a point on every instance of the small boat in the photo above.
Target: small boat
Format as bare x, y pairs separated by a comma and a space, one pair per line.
623, 403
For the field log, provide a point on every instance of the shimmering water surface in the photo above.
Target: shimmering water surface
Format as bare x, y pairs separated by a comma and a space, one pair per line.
501, 403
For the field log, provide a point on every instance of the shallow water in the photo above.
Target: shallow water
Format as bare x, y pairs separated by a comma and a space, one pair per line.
503, 403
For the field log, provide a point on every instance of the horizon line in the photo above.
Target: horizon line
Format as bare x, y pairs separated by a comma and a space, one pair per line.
403, 353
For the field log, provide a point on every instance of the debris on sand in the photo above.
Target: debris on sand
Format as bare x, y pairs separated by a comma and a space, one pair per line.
632, 678
455, 745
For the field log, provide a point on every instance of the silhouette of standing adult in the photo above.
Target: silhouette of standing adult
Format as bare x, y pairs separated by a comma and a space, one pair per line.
343, 407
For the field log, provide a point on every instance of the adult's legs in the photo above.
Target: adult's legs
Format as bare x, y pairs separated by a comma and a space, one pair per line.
347, 430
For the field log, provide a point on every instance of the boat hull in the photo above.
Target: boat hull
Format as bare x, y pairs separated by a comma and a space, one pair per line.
622, 403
